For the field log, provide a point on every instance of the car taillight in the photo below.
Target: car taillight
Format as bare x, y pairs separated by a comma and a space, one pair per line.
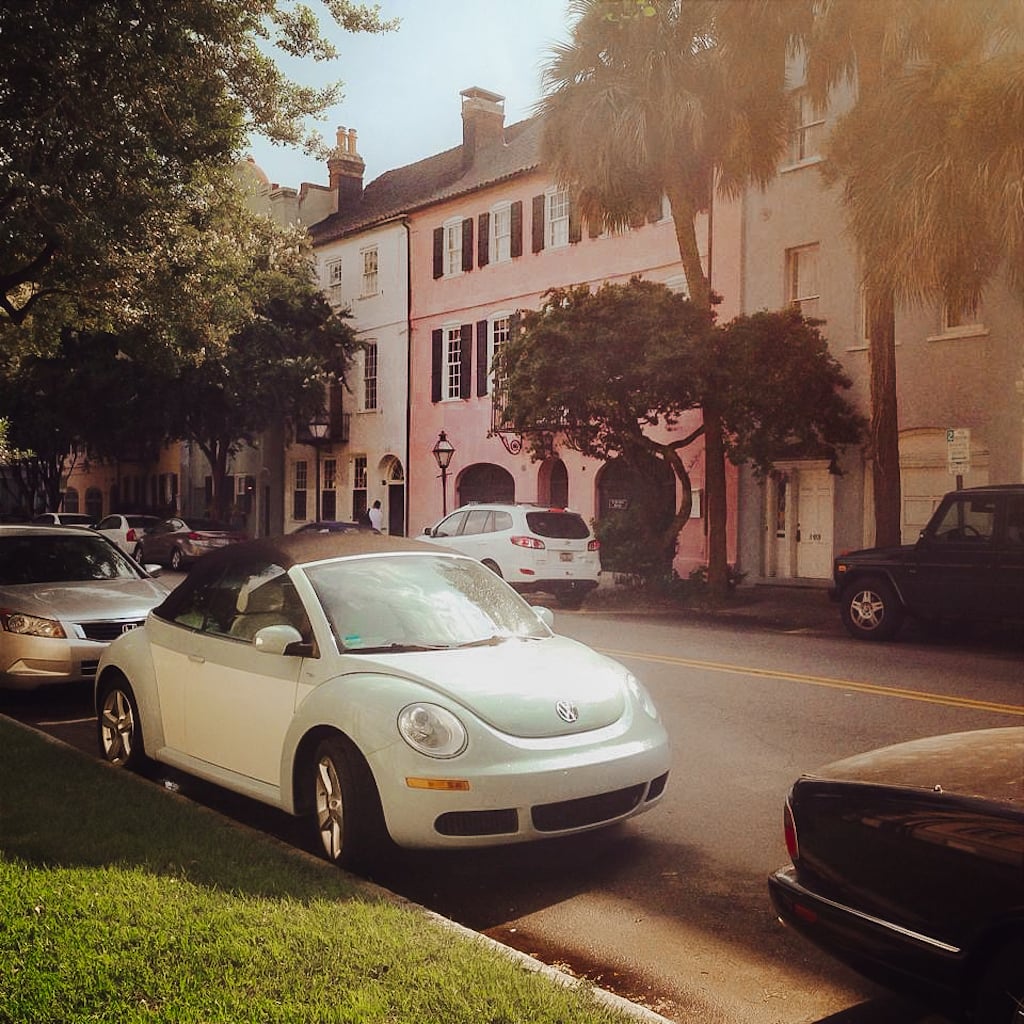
195, 536
789, 827
528, 542
130, 535
594, 545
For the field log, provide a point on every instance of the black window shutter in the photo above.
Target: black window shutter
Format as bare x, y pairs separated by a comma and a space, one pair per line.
438, 253
539, 202
483, 241
465, 359
575, 226
482, 367
516, 229
467, 244
436, 363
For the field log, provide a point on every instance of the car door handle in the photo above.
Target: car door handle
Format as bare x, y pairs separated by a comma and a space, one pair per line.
197, 659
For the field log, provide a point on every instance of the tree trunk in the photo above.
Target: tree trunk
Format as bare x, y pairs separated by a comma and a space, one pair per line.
884, 429
684, 216
717, 508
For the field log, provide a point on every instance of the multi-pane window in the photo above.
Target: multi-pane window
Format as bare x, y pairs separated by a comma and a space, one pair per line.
959, 316
358, 486
558, 218
453, 362
453, 248
332, 280
501, 233
499, 335
329, 492
802, 279
805, 139
369, 281
299, 491
370, 375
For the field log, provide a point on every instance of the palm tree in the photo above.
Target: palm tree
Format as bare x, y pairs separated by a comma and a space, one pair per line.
674, 98
931, 161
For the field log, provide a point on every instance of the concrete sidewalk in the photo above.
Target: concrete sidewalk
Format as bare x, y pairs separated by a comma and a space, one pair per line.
786, 606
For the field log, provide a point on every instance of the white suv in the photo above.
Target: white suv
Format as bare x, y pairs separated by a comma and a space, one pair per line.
532, 547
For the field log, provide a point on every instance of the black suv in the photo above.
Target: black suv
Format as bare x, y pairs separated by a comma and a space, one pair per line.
968, 564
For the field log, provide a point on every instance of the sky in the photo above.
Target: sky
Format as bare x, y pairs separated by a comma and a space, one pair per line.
401, 89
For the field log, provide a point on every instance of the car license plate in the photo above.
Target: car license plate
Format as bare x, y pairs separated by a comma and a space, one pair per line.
566, 556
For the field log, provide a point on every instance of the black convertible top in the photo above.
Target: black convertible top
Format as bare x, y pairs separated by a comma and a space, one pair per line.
287, 551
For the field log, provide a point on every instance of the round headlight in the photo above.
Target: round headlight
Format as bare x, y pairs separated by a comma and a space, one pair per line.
641, 696
432, 730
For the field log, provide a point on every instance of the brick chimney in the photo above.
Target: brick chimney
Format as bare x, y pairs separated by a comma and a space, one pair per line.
483, 122
346, 167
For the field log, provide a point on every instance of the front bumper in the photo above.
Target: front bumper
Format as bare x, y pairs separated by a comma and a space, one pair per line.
883, 951
520, 799
28, 662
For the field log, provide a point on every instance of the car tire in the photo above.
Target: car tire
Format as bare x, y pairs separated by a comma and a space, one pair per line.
119, 727
137, 554
493, 566
177, 560
871, 610
347, 814
1001, 992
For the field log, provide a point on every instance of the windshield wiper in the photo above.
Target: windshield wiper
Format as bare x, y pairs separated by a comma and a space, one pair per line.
397, 648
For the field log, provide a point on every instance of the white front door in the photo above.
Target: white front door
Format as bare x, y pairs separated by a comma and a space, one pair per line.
814, 513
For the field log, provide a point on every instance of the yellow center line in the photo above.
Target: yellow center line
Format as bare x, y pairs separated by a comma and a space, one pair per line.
835, 684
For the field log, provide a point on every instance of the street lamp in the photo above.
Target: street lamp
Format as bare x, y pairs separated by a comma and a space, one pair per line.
319, 427
443, 451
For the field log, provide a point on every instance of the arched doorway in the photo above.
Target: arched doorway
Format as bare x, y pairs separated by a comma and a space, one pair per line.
485, 482
394, 479
553, 484
648, 490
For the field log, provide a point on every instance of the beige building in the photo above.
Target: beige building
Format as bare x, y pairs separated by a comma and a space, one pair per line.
957, 371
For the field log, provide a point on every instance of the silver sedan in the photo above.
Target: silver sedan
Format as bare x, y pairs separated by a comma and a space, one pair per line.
65, 593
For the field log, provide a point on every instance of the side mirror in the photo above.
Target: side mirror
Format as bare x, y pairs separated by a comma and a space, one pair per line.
427, 532
546, 615
276, 639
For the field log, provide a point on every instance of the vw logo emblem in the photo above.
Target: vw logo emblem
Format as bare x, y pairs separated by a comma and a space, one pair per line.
567, 711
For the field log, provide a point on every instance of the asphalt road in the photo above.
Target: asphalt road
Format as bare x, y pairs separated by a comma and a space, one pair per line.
671, 909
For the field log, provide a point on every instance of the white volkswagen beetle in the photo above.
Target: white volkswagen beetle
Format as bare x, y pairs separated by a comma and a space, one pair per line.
389, 692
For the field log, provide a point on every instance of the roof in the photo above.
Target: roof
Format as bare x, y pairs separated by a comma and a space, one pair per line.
299, 548
435, 179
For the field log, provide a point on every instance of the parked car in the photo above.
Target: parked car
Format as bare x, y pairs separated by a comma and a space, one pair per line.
331, 526
533, 547
968, 564
63, 519
64, 595
908, 865
126, 530
178, 543
390, 692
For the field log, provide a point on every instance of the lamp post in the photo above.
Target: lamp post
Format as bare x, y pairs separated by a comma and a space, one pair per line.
319, 427
443, 451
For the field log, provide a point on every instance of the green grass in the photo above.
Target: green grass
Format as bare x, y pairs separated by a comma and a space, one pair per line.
121, 902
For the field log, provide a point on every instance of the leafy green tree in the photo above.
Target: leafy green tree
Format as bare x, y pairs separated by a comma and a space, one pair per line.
674, 98
113, 113
601, 370
286, 346
930, 158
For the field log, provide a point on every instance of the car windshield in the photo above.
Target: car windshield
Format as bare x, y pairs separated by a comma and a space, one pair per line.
208, 526
419, 602
61, 559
